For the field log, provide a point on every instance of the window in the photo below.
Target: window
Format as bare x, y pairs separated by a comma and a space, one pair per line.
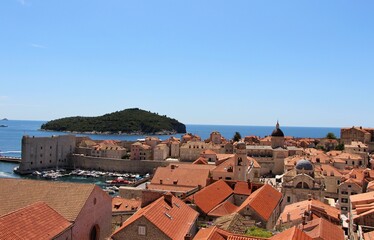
141, 230
349, 186
344, 200
288, 199
345, 192
344, 208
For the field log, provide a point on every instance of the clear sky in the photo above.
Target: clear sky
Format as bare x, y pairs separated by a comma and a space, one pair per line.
304, 63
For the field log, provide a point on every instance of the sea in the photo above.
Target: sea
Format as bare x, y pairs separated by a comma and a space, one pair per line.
11, 136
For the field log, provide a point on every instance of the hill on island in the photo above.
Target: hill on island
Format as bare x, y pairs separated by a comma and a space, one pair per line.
128, 121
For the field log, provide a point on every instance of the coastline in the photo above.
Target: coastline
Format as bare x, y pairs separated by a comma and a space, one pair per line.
164, 132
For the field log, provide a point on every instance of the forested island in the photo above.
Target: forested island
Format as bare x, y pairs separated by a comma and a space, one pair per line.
128, 121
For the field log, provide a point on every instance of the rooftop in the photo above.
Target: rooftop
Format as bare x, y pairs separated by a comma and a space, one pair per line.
36, 221
169, 214
65, 198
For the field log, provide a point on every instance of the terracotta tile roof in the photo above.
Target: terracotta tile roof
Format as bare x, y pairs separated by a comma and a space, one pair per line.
169, 214
223, 166
370, 186
263, 201
36, 221
291, 234
214, 233
209, 234
296, 210
242, 188
181, 176
65, 198
223, 209
170, 188
208, 152
330, 170
362, 204
125, 205
320, 228
369, 235
200, 160
209, 197
334, 153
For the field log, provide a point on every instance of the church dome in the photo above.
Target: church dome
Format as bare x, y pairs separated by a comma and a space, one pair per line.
277, 132
304, 164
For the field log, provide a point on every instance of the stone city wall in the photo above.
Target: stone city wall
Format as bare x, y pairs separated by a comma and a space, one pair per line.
116, 165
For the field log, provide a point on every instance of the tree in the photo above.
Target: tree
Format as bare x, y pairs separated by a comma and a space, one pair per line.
257, 232
330, 135
237, 137
340, 147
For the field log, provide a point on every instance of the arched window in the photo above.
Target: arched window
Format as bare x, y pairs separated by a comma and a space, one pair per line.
95, 233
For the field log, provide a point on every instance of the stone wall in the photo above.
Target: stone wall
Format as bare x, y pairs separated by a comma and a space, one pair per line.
116, 165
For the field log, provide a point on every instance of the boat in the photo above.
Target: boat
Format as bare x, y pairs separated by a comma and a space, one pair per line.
2, 125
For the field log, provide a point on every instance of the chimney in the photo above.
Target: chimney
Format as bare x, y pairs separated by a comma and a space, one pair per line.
249, 184
309, 197
288, 217
172, 166
161, 181
188, 236
168, 199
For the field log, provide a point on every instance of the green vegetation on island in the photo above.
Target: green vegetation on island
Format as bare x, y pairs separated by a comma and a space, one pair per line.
128, 121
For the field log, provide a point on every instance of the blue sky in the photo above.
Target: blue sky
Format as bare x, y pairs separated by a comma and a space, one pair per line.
304, 63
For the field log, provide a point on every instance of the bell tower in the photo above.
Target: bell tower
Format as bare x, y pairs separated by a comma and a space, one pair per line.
241, 162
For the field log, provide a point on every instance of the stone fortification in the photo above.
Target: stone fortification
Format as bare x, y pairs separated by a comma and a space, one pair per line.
116, 165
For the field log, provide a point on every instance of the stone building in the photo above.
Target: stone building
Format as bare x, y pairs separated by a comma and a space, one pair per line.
161, 152
46, 152
166, 218
300, 183
140, 151
191, 150
86, 206
361, 214
238, 167
364, 135
271, 157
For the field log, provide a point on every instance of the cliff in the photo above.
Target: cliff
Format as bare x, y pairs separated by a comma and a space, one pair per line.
128, 121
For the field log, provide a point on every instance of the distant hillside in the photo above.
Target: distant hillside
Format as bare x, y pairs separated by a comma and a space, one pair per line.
128, 121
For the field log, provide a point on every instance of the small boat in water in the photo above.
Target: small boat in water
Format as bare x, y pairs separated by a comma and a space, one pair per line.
2, 125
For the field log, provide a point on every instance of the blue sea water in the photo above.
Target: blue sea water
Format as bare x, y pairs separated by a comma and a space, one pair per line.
10, 136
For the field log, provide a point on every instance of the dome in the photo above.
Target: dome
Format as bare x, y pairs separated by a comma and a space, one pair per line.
304, 164
241, 145
277, 132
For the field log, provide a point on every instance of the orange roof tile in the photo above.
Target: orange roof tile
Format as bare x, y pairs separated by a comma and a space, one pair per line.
208, 152
200, 160
36, 221
263, 201
223, 209
296, 210
209, 234
170, 188
65, 198
123, 205
214, 233
174, 218
242, 188
320, 228
329, 170
180, 176
212, 195
369, 235
291, 234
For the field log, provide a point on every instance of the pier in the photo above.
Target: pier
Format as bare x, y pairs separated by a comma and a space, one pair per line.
10, 159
